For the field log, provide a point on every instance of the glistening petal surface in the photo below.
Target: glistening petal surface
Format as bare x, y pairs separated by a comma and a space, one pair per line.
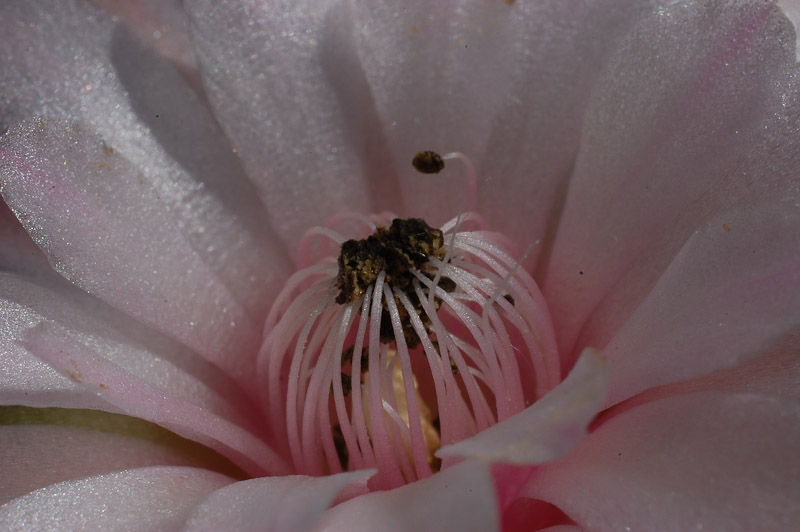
280, 81
108, 230
162, 24
681, 103
729, 294
706, 460
134, 396
60, 453
506, 83
548, 429
459, 498
67, 60
277, 504
25, 379
153, 499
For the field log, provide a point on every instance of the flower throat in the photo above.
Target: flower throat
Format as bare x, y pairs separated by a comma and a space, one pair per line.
410, 338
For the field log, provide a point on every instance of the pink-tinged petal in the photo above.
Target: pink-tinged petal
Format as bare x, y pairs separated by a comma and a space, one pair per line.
559, 49
506, 83
548, 429
702, 461
65, 59
135, 396
791, 8
773, 374
26, 380
18, 252
292, 102
35, 456
756, 193
729, 294
526, 514
153, 499
279, 504
458, 498
681, 104
106, 229
162, 24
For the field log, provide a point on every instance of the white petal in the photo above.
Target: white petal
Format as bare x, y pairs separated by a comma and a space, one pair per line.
155, 499
162, 24
791, 8
18, 253
33, 456
65, 60
682, 104
292, 102
506, 83
64, 348
459, 498
548, 429
135, 396
276, 504
149, 356
729, 294
701, 461
105, 228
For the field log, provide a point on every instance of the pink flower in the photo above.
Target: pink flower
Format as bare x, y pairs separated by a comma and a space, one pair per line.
641, 160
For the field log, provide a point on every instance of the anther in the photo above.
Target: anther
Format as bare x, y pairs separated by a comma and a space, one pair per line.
413, 337
428, 162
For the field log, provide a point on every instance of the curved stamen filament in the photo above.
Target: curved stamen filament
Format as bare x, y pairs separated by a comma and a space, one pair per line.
387, 458
382, 379
472, 179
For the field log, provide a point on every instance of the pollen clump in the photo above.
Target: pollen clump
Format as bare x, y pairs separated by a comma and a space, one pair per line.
428, 162
409, 339
407, 244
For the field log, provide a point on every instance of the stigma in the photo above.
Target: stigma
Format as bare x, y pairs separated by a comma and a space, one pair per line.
381, 349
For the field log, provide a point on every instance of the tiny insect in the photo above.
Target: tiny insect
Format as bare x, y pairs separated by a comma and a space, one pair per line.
428, 162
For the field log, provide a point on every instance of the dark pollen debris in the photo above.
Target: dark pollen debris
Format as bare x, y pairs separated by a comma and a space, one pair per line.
428, 162
408, 244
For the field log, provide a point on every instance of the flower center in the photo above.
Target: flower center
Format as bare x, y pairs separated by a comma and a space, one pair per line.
410, 338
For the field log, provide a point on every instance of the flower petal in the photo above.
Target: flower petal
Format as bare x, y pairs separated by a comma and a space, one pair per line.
728, 295
64, 60
773, 374
548, 429
18, 253
24, 378
710, 460
134, 396
160, 23
291, 102
34, 455
458, 498
147, 500
281, 504
748, 218
506, 83
27, 380
108, 231
791, 8
64, 348
680, 106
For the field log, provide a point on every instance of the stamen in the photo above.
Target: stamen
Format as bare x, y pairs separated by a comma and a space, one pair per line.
413, 337
430, 162
472, 179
